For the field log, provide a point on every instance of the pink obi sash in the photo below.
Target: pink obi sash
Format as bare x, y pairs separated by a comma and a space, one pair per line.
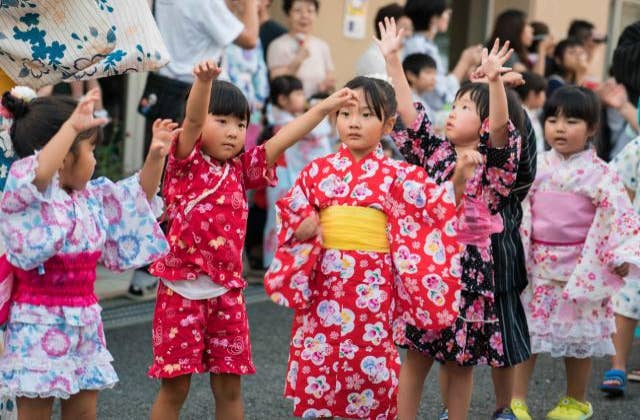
63, 280
476, 224
561, 218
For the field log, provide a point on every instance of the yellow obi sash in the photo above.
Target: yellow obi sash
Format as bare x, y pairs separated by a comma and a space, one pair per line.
5, 82
352, 228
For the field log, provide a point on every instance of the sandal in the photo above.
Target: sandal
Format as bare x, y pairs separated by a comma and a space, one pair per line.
634, 375
614, 383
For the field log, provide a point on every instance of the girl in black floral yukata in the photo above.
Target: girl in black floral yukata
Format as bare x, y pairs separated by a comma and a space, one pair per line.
478, 130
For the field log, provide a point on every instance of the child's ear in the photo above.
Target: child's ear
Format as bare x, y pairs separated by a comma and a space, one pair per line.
411, 78
388, 125
282, 100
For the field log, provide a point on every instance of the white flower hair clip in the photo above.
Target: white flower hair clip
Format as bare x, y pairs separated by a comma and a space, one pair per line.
24, 92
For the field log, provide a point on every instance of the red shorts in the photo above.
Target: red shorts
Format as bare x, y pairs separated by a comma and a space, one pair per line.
197, 336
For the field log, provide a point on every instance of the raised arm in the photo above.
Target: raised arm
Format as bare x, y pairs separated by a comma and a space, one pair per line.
164, 131
248, 38
299, 127
197, 106
51, 157
492, 67
390, 43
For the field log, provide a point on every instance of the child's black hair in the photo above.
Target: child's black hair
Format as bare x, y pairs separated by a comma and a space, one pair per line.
288, 4
393, 10
422, 11
378, 94
574, 102
283, 85
415, 63
479, 94
36, 122
533, 82
227, 99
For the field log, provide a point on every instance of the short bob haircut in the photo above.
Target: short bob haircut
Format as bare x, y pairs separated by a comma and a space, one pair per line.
227, 99
288, 4
574, 102
422, 11
378, 94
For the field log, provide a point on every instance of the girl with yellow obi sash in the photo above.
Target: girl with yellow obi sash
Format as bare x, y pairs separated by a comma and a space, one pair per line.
365, 244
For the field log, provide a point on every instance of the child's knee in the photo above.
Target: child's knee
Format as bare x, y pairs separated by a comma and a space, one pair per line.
176, 389
226, 387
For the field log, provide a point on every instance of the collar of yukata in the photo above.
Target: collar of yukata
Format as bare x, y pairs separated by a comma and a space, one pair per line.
378, 152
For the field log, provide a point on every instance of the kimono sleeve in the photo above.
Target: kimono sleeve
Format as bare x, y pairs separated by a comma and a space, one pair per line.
255, 169
420, 145
627, 164
425, 250
34, 225
612, 240
501, 168
289, 281
133, 236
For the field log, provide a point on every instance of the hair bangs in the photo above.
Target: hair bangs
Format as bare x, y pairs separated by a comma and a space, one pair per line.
227, 99
573, 102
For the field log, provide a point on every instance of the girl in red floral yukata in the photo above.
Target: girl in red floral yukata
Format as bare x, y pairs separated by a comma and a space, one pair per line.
200, 322
365, 244
477, 126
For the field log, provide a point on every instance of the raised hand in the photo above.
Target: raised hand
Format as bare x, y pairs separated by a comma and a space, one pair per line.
337, 100
206, 70
467, 161
612, 94
164, 131
390, 41
510, 79
82, 118
492, 63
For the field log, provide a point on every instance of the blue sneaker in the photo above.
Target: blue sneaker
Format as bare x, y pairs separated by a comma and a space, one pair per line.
444, 414
504, 414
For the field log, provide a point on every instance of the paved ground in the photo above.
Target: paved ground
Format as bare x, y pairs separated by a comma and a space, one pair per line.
270, 325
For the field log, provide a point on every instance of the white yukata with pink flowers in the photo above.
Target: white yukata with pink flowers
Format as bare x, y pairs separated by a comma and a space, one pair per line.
578, 225
55, 344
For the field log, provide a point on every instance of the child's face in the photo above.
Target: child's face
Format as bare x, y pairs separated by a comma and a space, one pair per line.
536, 100
463, 123
359, 128
574, 58
426, 81
78, 166
566, 136
293, 103
405, 23
223, 136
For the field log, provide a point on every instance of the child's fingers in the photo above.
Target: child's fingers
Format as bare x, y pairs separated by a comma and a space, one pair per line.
505, 48
496, 46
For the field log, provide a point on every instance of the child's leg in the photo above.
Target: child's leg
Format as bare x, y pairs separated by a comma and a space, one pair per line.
173, 392
622, 341
228, 396
34, 408
503, 383
81, 406
413, 372
460, 384
522, 377
578, 372
443, 381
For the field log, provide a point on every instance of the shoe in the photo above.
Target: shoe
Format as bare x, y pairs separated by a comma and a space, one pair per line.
571, 409
444, 414
520, 409
614, 383
143, 286
634, 375
504, 414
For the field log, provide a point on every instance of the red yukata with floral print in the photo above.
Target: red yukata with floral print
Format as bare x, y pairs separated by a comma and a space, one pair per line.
207, 220
351, 304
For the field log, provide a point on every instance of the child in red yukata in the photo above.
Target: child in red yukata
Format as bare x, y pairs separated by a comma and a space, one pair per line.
200, 322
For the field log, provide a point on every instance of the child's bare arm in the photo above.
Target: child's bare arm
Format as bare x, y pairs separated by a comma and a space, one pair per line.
492, 68
390, 43
51, 157
197, 107
299, 127
164, 131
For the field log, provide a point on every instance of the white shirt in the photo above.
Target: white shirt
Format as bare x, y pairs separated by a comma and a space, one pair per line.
200, 288
193, 31
371, 62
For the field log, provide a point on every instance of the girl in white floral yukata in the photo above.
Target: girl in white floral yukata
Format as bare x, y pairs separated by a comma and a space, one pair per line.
57, 224
581, 238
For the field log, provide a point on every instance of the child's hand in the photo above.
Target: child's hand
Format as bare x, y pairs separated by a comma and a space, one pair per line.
390, 41
622, 270
493, 62
337, 100
467, 161
308, 228
612, 94
82, 118
206, 70
510, 79
164, 131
